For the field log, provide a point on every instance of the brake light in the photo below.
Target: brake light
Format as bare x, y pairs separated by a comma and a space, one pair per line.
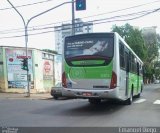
64, 82
113, 83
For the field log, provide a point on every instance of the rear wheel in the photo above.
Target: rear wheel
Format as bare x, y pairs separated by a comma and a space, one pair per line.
130, 99
55, 97
139, 95
94, 101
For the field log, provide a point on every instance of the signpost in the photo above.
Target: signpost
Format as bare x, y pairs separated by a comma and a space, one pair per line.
26, 34
24, 64
80, 5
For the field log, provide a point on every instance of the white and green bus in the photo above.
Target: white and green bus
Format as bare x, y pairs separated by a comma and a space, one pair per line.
100, 66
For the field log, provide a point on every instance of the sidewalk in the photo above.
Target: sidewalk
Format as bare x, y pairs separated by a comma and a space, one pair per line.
23, 96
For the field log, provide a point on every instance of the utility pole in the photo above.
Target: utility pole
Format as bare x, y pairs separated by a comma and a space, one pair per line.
26, 48
26, 33
73, 19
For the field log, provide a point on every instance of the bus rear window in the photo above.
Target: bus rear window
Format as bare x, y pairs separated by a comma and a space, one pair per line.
88, 48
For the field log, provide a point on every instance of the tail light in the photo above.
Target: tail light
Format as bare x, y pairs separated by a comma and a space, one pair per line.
64, 83
113, 83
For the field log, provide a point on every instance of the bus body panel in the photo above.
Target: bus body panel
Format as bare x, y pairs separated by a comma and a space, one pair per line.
89, 77
87, 93
94, 81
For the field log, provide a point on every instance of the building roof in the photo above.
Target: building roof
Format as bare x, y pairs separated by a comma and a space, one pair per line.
29, 48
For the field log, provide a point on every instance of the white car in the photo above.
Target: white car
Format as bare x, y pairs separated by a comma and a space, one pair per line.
156, 81
56, 91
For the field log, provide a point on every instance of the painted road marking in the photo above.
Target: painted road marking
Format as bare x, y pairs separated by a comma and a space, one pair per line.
140, 101
157, 102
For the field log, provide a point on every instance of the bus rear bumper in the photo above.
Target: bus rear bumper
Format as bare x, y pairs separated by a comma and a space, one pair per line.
83, 93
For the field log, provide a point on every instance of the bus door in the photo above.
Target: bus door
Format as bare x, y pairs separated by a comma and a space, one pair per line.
127, 71
138, 83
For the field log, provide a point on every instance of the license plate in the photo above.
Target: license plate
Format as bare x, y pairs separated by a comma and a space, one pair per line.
87, 94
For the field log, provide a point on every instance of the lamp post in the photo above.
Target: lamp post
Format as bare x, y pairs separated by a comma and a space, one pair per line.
26, 32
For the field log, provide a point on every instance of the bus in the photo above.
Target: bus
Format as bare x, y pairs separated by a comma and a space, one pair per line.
100, 66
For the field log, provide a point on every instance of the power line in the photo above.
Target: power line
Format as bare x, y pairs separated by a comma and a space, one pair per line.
33, 28
125, 15
130, 18
147, 13
124, 9
30, 28
30, 4
119, 16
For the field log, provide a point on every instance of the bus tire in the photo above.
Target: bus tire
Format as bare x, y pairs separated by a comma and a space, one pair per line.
139, 95
130, 99
55, 97
94, 101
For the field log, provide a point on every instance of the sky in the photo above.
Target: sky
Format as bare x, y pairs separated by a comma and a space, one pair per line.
110, 12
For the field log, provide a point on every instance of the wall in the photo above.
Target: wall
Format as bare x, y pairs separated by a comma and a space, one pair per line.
44, 71
37, 71
14, 79
48, 74
2, 82
58, 68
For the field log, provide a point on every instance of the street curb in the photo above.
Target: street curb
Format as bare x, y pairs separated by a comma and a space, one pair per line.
23, 96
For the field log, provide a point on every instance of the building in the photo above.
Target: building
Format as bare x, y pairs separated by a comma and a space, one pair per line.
150, 34
83, 27
14, 79
60, 33
147, 30
66, 30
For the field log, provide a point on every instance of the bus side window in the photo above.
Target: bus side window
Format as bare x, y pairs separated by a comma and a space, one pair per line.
138, 68
133, 65
121, 52
130, 63
141, 70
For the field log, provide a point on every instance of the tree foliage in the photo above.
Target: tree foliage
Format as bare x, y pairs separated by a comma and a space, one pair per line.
152, 45
144, 45
133, 37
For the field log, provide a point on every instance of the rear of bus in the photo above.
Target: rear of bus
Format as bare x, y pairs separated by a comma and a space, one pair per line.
88, 66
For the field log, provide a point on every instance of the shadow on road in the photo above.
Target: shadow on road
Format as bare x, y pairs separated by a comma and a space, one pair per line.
105, 107
81, 108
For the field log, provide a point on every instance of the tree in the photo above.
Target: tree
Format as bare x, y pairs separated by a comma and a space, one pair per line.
151, 45
133, 37
157, 69
158, 40
151, 42
144, 45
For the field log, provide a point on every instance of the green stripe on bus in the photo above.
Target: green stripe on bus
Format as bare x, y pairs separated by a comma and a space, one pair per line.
133, 81
94, 72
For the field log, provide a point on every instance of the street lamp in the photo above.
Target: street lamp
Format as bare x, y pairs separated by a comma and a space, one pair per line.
26, 33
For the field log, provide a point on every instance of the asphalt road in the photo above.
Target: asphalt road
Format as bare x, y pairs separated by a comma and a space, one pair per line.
144, 111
